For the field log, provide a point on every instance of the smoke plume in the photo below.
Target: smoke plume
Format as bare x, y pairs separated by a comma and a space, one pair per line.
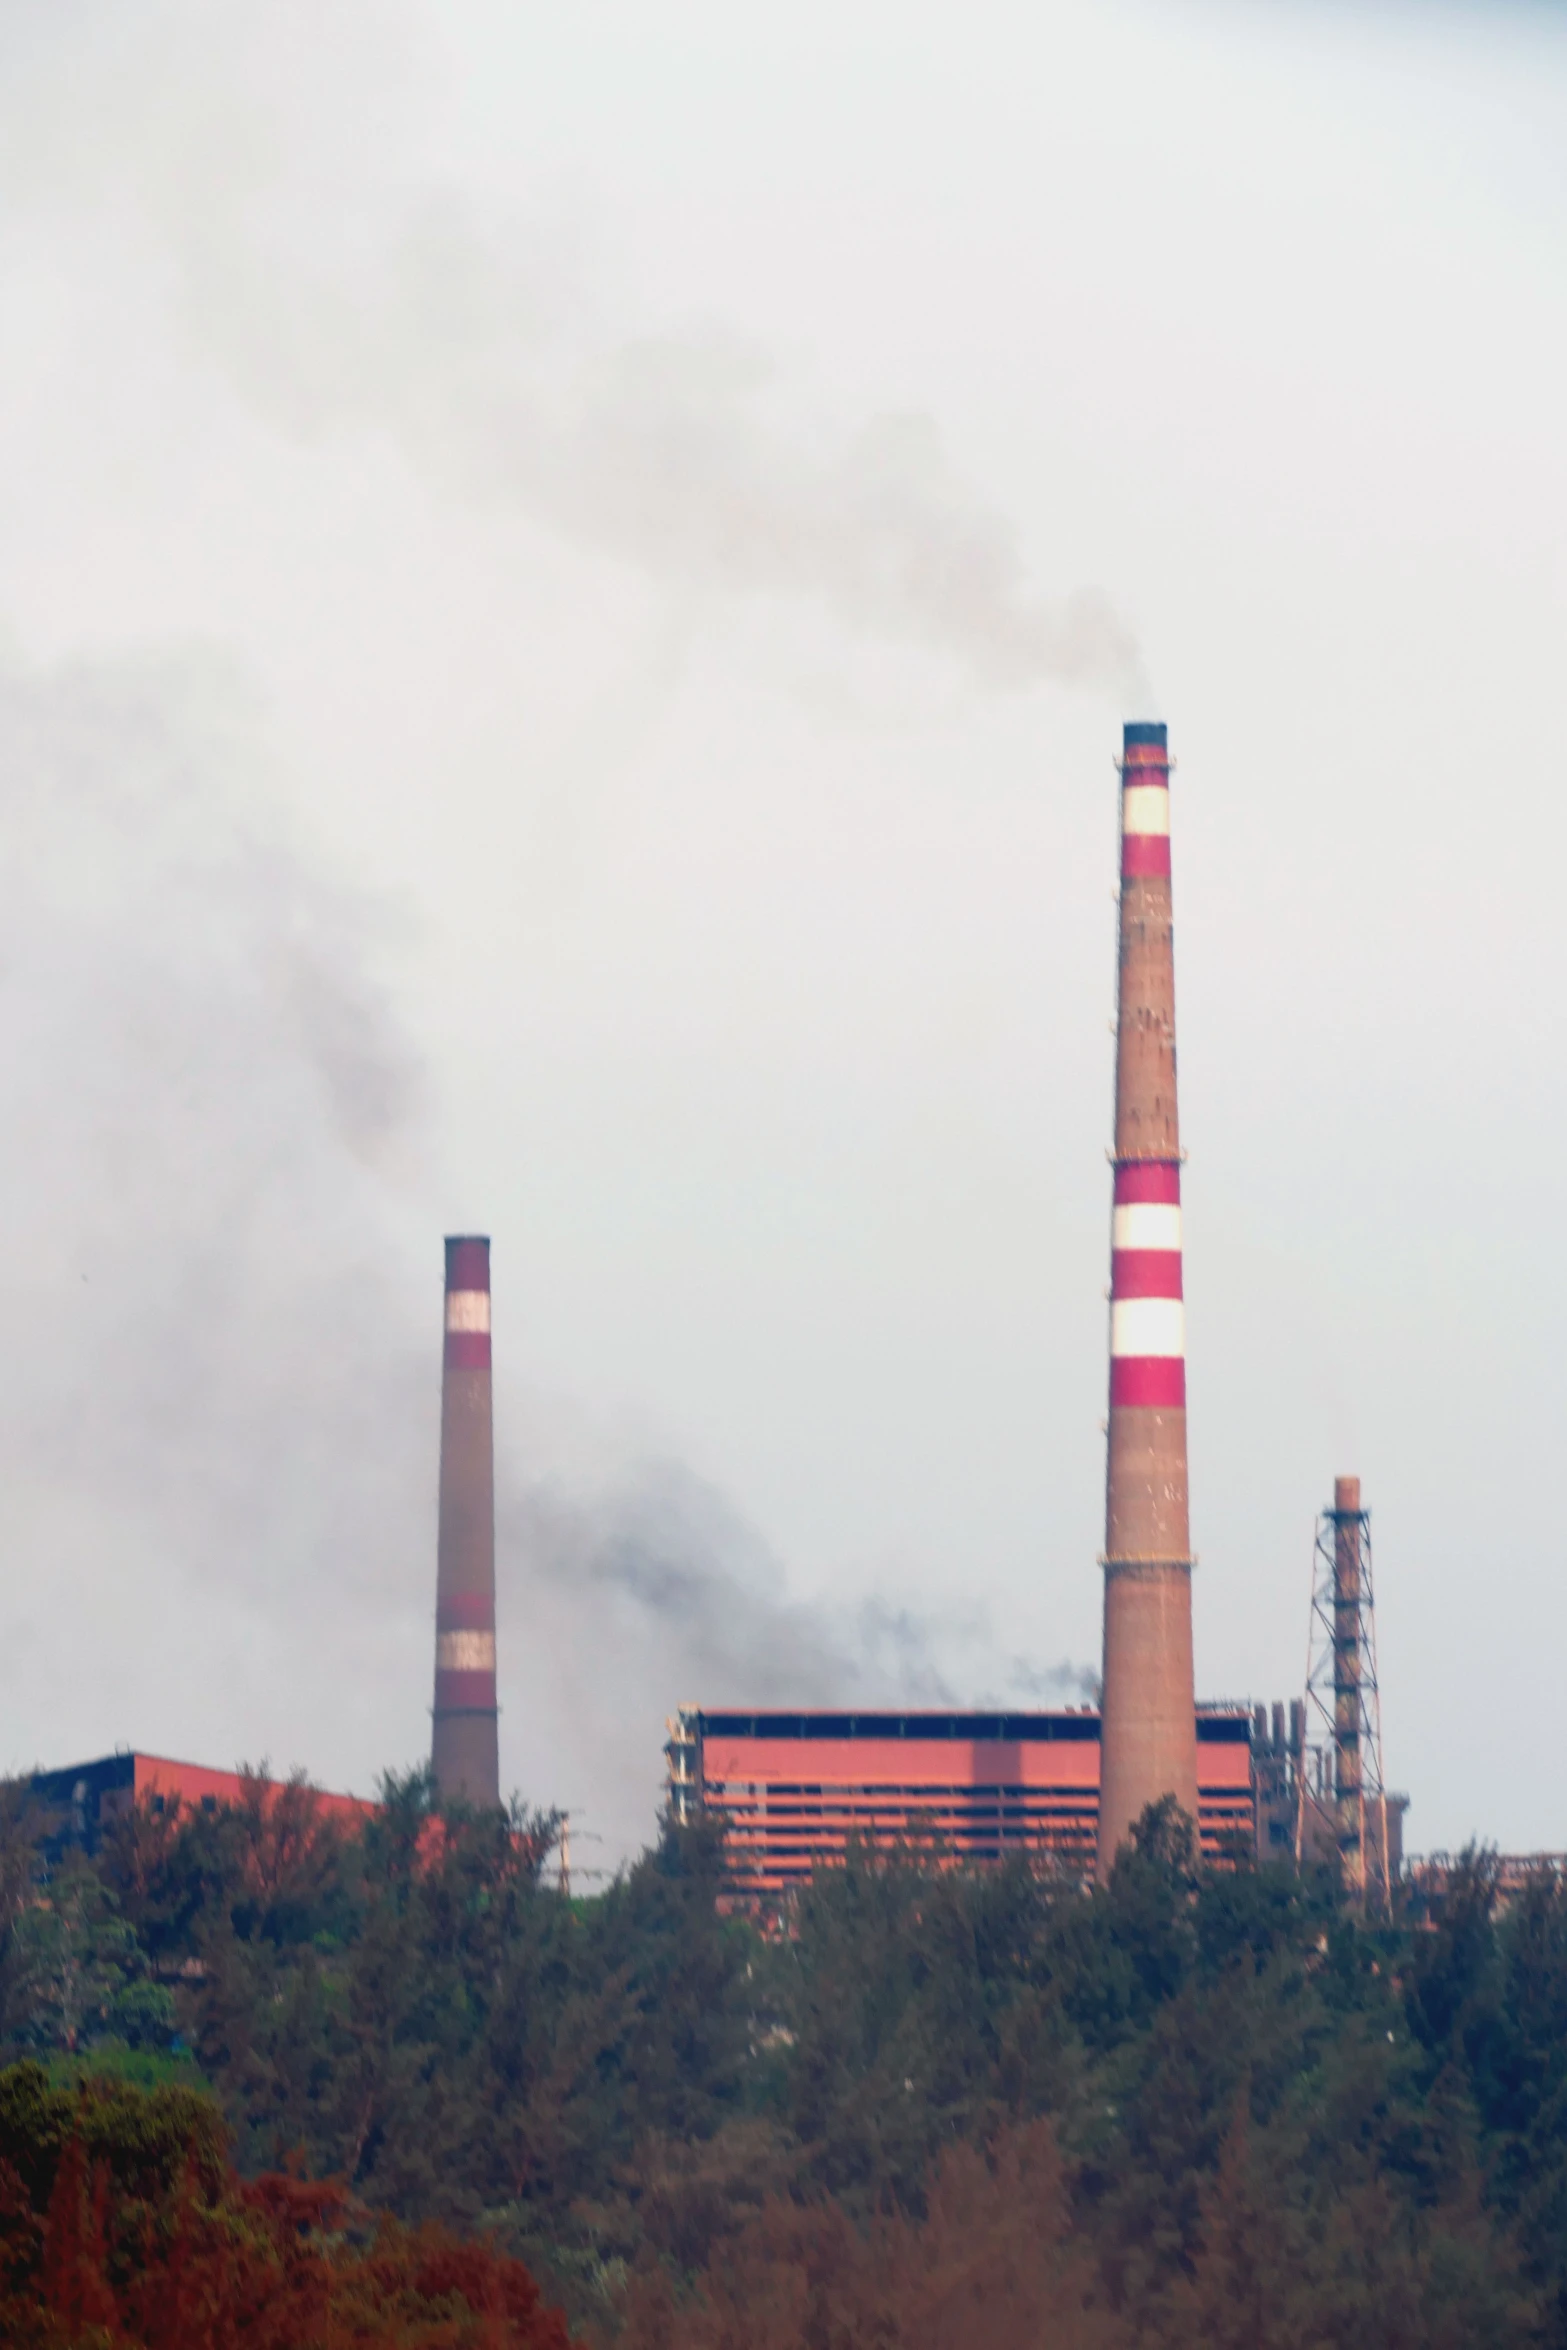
219, 1412
640, 1587
385, 309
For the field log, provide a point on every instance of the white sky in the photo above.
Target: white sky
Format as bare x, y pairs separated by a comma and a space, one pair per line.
568, 585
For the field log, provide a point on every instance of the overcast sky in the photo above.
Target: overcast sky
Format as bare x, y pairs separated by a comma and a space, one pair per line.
569, 581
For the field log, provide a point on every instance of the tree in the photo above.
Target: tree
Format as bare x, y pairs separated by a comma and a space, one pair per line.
121, 2221
77, 1972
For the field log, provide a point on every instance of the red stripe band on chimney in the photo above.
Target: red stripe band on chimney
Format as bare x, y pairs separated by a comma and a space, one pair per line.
1145, 1272
471, 1692
1148, 1179
465, 1611
1148, 1383
1144, 853
468, 1350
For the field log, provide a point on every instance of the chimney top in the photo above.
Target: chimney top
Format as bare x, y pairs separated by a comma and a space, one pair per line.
467, 1260
1145, 733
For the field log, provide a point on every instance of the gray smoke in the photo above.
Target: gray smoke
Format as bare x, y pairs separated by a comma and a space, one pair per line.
660, 450
222, 1205
385, 309
1030, 1684
661, 1563
221, 1270
642, 1588
211, 1118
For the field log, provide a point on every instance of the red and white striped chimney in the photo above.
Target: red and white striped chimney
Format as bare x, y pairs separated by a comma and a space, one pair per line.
1148, 1728
464, 1749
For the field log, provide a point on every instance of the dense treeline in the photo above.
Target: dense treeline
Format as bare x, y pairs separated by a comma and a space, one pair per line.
945, 2104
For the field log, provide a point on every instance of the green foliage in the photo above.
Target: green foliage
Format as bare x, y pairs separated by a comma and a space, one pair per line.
1263, 2122
76, 1971
146, 2139
139, 2068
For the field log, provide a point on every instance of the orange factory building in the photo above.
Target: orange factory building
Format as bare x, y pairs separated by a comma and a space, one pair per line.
94, 1793
793, 1789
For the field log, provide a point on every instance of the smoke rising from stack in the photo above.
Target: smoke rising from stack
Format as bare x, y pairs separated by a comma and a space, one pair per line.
393, 310
375, 315
218, 1246
656, 1556
355, 315
642, 1587
660, 449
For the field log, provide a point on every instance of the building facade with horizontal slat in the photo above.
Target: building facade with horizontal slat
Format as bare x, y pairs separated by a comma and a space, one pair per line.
794, 1790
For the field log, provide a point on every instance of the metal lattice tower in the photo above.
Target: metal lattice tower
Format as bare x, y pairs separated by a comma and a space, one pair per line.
1345, 1812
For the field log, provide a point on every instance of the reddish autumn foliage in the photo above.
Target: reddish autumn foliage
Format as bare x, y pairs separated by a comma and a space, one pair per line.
123, 2224
993, 2262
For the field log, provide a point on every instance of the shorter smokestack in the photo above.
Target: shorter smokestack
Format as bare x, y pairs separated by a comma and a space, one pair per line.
464, 1743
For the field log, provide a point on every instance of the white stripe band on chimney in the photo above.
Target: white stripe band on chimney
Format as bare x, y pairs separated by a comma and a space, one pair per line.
1145, 1224
467, 1309
1145, 807
465, 1652
1147, 1326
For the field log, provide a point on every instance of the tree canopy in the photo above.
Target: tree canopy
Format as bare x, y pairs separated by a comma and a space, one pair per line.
1178, 2110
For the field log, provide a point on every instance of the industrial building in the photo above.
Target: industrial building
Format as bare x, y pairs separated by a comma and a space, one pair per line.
88, 1796
796, 1789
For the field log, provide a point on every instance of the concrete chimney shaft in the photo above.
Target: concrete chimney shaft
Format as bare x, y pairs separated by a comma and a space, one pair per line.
464, 1748
1148, 1722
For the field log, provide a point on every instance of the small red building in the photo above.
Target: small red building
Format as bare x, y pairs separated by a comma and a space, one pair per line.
94, 1793
794, 1789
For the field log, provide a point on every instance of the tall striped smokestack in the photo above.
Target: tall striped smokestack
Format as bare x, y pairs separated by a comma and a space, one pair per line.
463, 1745
1148, 1720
